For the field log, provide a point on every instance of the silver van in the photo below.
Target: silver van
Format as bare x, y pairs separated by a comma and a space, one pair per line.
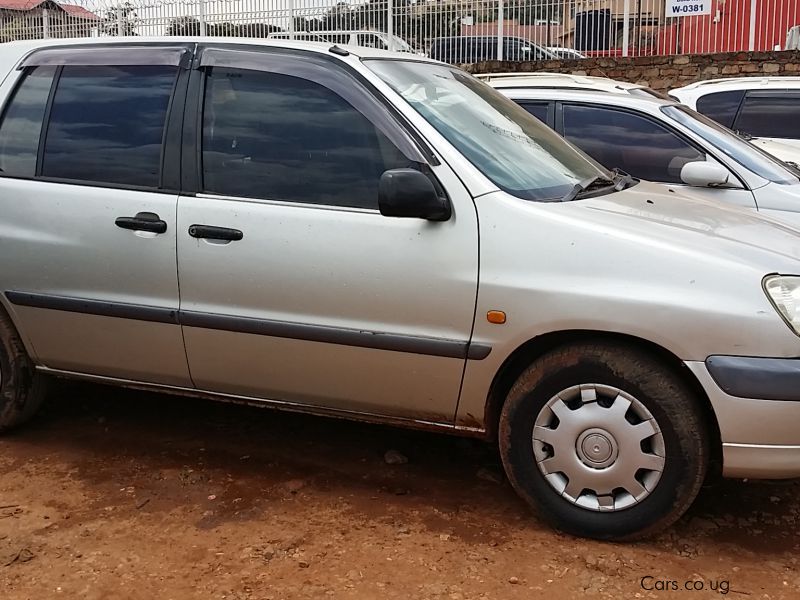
381, 237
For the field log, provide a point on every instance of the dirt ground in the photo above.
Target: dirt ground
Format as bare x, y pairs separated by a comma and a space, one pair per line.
118, 494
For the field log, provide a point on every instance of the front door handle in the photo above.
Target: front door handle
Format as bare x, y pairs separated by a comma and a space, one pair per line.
210, 232
143, 221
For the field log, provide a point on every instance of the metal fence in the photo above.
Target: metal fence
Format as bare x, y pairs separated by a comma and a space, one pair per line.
452, 30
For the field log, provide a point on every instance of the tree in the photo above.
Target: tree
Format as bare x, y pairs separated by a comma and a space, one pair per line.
120, 20
184, 26
189, 26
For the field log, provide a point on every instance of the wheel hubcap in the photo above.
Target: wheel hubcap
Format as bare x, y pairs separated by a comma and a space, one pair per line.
598, 447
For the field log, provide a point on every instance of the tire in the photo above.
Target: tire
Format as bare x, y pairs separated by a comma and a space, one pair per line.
22, 390
609, 445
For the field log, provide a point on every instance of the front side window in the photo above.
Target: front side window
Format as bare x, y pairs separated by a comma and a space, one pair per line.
770, 115
278, 137
22, 124
107, 124
513, 149
721, 106
630, 142
743, 152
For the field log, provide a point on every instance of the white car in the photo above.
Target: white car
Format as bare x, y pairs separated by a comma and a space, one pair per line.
364, 38
637, 130
565, 53
764, 109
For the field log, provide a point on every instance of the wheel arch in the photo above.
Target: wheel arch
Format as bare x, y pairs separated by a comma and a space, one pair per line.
536, 347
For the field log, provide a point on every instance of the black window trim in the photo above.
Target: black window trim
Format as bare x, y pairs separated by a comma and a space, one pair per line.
668, 126
263, 58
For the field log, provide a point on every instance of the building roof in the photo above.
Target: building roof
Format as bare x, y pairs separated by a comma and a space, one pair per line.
72, 10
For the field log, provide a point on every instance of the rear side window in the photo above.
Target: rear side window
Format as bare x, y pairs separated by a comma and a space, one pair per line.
537, 109
770, 115
278, 137
21, 127
721, 106
107, 124
634, 143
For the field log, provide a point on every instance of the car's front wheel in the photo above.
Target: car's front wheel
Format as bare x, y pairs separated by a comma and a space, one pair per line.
604, 441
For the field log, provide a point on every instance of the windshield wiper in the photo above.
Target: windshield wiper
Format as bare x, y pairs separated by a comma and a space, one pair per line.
592, 184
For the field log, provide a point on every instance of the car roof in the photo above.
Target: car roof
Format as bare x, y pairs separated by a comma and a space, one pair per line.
23, 46
643, 102
558, 81
456, 38
702, 88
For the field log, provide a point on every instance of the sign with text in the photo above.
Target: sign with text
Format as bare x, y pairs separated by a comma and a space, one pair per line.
687, 8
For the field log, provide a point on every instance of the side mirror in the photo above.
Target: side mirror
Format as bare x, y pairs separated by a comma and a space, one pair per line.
409, 193
704, 174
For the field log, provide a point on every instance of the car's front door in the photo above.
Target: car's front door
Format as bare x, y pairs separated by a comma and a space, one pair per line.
301, 291
88, 208
641, 146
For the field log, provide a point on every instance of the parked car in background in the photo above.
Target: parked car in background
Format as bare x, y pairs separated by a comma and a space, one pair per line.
353, 37
565, 53
470, 49
765, 110
375, 236
628, 127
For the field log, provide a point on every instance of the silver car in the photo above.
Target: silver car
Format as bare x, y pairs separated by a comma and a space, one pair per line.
376, 236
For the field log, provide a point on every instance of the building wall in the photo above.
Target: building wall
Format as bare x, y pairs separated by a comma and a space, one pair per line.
662, 72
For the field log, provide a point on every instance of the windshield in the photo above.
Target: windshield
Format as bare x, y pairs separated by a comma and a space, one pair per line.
515, 150
732, 145
400, 44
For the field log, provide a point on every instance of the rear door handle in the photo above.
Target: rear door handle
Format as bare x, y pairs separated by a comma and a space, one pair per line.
143, 221
210, 232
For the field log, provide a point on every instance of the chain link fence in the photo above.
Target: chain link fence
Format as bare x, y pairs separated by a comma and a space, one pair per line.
451, 30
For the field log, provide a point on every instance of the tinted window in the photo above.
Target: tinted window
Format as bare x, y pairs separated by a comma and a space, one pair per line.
775, 116
280, 137
538, 110
630, 142
22, 124
107, 123
721, 106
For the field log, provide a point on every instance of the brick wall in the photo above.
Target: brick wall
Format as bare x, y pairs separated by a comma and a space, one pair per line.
662, 72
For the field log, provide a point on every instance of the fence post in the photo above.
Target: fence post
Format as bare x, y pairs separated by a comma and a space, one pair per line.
45, 23
500, 19
752, 44
201, 17
390, 23
626, 27
291, 19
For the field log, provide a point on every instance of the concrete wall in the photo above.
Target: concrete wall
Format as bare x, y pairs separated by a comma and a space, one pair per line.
662, 72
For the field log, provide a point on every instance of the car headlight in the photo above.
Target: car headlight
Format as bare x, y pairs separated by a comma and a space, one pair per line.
784, 292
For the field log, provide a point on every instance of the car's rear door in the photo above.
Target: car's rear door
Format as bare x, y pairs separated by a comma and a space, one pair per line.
293, 286
88, 197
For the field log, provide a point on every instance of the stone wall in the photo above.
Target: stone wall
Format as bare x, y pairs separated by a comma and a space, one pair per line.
662, 72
